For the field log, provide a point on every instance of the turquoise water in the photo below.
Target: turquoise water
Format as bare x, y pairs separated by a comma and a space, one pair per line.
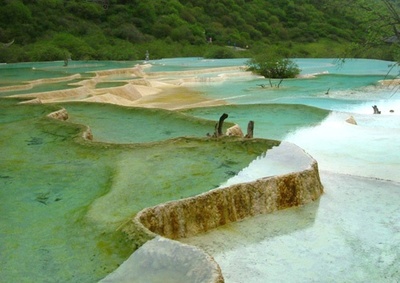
64, 200
46, 182
352, 233
273, 121
110, 123
190, 64
57, 223
370, 149
14, 74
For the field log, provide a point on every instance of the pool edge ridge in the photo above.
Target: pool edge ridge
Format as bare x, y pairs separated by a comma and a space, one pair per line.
198, 214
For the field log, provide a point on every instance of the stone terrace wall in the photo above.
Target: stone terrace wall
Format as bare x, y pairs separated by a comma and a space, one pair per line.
190, 216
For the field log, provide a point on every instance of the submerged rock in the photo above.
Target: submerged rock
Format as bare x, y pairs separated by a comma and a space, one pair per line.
351, 120
61, 114
235, 131
88, 135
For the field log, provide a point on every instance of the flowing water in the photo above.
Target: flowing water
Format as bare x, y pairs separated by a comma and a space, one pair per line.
311, 113
63, 199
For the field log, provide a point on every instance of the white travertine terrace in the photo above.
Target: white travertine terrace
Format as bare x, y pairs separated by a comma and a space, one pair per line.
226, 204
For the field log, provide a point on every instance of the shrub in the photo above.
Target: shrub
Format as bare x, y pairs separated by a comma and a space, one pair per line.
46, 51
273, 67
220, 53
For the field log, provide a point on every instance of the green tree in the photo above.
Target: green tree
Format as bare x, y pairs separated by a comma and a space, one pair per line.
273, 67
76, 46
218, 52
381, 22
89, 31
46, 51
15, 12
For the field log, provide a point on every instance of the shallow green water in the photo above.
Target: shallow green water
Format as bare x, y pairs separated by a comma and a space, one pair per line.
272, 121
46, 182
14, 74
63, 199
110, 123
109, 84
68, 84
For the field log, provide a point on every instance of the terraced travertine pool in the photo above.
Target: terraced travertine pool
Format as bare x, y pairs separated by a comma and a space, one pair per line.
63, 199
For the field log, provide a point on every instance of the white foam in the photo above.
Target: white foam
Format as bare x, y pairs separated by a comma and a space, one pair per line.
386, 106
279, 160
370, 148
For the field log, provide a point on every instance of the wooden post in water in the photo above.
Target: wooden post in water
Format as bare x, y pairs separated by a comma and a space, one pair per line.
218, 126
250, 130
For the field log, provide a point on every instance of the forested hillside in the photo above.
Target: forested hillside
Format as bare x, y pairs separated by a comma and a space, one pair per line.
124, 29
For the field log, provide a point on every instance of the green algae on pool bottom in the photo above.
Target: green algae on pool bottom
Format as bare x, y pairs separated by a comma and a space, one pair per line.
36, 249
46, 181
109, 84
272, 121
63, 199
170, 170
116, 124
42, 87
14, 74
110, 123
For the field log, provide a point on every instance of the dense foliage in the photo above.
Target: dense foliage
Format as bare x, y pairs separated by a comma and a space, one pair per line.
273, 67
380, 22
125, 29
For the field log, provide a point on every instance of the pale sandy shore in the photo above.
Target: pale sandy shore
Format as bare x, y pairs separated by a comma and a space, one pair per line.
137, 88
390, 82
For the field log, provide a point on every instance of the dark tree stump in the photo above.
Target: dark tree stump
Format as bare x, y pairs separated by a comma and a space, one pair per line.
218, 126
376, 110
250, 130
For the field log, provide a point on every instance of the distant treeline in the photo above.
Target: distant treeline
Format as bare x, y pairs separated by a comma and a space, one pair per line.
45, 30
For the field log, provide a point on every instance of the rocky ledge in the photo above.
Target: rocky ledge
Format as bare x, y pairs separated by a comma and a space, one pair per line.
198, 214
